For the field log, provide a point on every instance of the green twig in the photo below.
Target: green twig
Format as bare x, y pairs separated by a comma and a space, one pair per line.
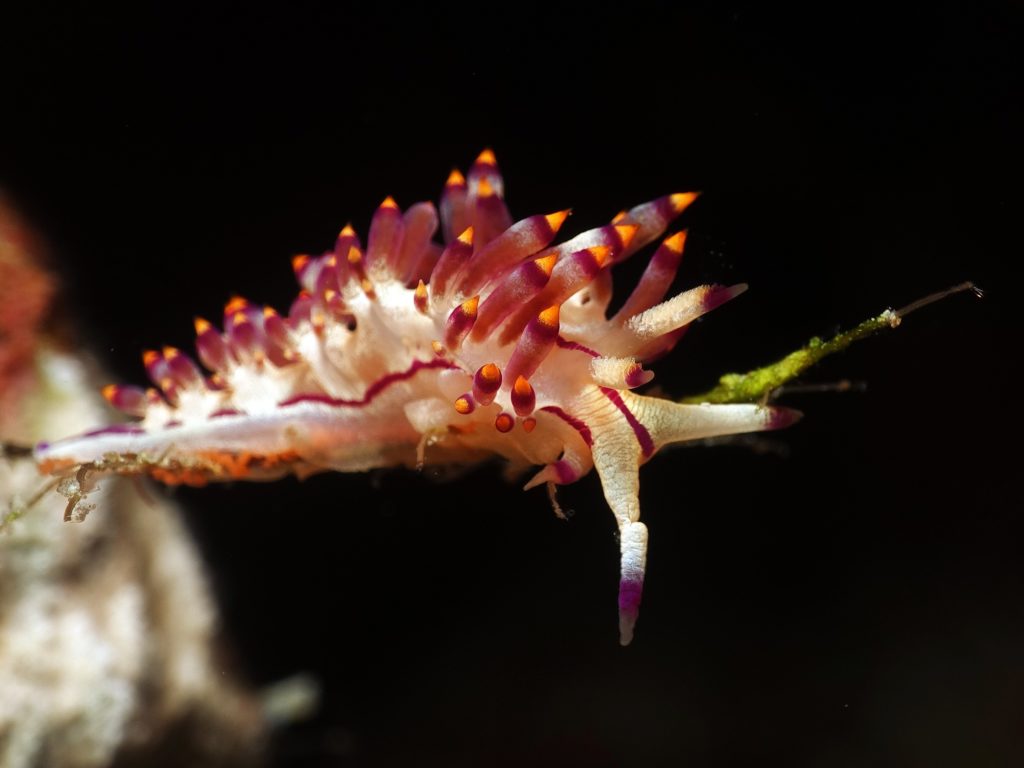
759, 383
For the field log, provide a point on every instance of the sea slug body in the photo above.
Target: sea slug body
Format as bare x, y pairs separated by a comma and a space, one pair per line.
407, 352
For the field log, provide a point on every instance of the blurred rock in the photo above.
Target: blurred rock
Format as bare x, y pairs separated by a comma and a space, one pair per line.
108, 633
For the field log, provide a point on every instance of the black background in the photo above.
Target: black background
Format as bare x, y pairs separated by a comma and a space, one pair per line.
849, 593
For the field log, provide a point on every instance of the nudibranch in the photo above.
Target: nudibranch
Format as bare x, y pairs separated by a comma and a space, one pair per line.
407, 352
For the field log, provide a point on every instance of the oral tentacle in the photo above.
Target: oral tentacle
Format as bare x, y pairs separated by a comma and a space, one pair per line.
643, 334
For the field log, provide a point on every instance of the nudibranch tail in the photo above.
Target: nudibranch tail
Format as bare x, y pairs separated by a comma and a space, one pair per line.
409, 352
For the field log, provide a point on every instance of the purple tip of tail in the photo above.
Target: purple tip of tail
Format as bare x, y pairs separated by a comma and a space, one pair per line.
630, 594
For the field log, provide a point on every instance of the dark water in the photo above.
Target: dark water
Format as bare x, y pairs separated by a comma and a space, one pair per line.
849, 593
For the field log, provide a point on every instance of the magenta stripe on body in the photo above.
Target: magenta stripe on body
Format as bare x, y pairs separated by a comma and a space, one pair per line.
642, 435
225, 412
115, 429
564, 343
572, 421
374, 389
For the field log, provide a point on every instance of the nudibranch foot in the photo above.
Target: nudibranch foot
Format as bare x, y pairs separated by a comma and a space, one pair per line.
410, 352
